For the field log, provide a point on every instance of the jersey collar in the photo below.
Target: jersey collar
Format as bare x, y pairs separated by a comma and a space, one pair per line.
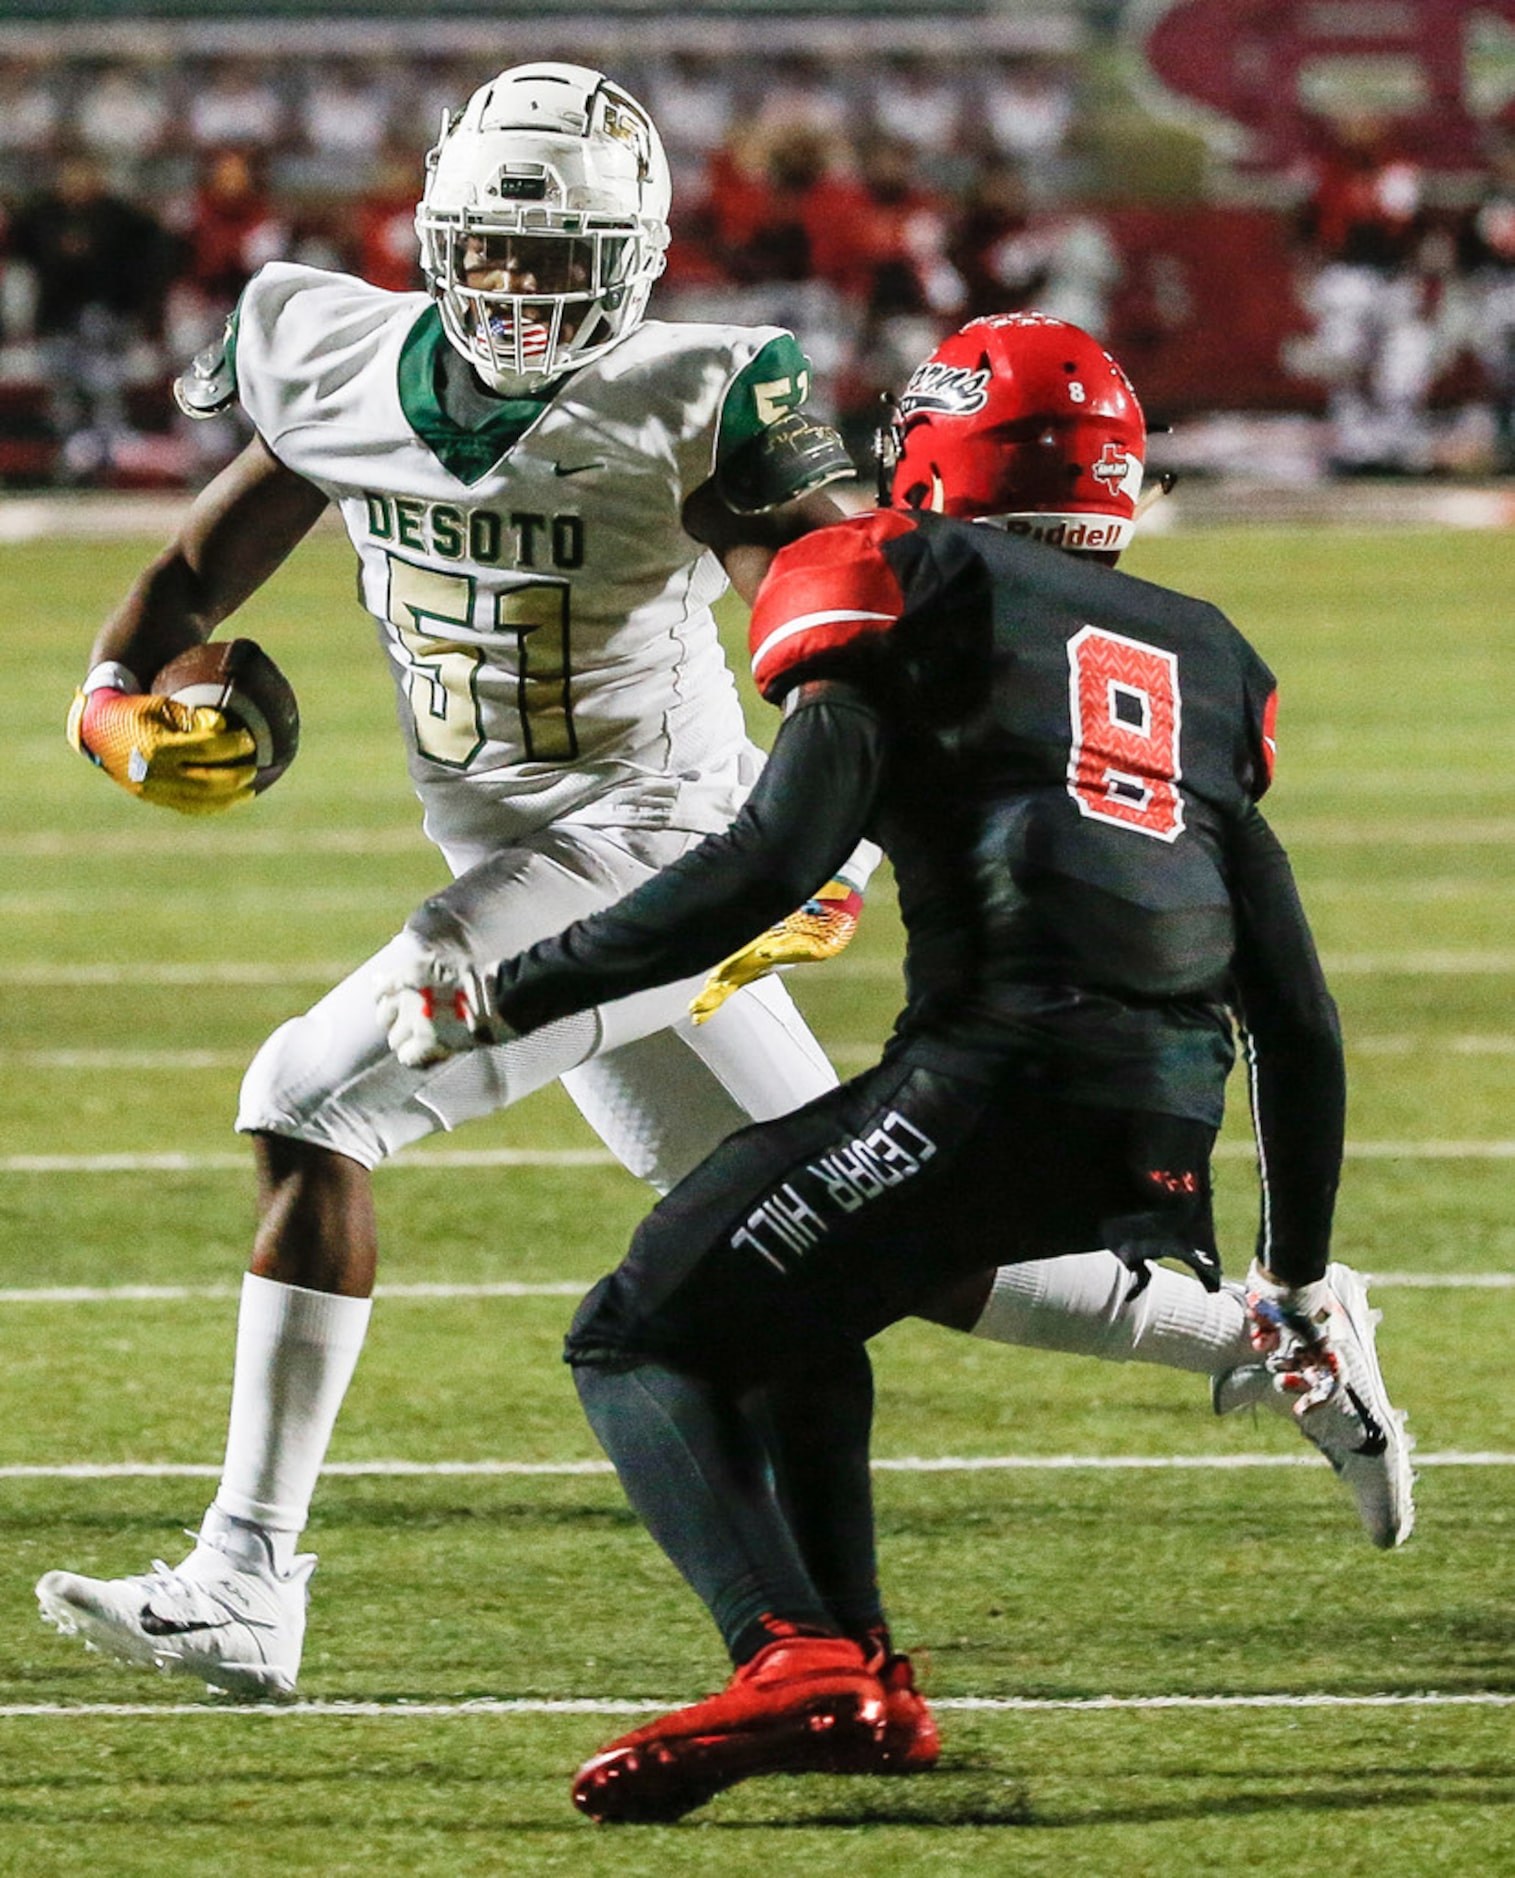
468, 454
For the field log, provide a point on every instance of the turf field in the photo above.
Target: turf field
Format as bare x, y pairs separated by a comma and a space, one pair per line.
1158, 1641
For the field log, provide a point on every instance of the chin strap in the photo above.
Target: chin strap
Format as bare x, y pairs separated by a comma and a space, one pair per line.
886, 446
1162, 487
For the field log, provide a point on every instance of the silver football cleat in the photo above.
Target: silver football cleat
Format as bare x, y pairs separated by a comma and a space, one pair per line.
1358, 1429
238, 1627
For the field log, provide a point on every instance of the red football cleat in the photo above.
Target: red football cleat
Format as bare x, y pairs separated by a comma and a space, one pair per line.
803, 1705
911, 1743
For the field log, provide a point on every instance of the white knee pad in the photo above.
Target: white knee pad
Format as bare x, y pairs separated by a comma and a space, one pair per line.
660, 1091
329, 1077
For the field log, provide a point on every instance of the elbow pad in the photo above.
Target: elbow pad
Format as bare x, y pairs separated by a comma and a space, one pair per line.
790, 458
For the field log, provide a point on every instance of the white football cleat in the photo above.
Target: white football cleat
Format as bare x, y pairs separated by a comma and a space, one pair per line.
239, 1627
1358, 1429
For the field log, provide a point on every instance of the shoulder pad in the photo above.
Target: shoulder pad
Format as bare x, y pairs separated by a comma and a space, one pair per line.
828, 599
209, 384
788, 459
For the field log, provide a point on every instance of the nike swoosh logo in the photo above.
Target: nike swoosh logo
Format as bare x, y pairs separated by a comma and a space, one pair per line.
1375, 1440
574, 469
157, 1626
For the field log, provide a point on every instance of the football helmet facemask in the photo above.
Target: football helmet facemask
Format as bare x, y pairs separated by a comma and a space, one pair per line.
544, 222
1024, 421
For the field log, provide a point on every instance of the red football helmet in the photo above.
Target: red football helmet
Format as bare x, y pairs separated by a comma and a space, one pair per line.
1027, 421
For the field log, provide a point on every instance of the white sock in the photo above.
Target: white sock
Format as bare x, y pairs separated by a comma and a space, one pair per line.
1082, 1303
296, 1352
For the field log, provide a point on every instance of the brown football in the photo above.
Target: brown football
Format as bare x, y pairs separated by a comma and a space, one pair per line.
238, 677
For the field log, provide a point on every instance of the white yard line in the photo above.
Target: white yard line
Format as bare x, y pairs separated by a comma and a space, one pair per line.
1389, 831
248, 900
90, 518
132, 1062
219, 1163
181, 1294
576, 1287
139, 1061
504, 1707
1428, 890
882, 1464
176, 1163
121, 898
1407, 1043
1441, 1281
1433, 962
1436, 962
58, 844
189, 972
399, 837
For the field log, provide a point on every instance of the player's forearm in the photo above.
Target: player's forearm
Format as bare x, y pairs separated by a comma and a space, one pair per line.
1299, 1088
238, 531
1299, 1105
746, 544
163, 612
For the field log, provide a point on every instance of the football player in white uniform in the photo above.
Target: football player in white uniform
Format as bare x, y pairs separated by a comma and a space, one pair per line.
546, 491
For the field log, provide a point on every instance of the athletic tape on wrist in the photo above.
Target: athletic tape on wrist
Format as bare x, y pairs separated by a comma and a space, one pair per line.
110, 675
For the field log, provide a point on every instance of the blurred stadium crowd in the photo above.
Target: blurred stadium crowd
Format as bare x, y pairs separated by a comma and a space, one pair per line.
870, 204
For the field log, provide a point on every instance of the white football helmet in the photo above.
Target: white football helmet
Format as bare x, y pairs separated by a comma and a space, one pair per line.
551, 190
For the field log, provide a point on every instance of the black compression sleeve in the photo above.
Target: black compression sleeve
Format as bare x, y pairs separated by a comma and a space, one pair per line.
804, 817
1294, 1051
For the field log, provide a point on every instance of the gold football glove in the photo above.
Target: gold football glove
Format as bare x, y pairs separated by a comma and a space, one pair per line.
184, 757
819, 929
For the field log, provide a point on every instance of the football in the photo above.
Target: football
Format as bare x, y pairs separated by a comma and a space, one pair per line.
237, 677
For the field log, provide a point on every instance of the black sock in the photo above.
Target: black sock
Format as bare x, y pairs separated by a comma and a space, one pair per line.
818, 1422
694, 1469
766, 1629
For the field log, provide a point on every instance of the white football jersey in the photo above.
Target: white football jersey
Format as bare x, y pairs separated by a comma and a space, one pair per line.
546, 618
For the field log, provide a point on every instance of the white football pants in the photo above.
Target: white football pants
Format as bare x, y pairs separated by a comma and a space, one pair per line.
660, 1091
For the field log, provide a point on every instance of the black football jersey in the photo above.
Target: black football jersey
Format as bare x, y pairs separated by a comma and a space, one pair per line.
1069, 750
1063, 764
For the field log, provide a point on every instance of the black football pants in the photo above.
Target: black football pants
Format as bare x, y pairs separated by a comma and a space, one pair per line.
722, 1364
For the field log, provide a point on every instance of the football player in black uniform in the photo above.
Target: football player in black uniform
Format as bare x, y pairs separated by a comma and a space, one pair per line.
1064, 765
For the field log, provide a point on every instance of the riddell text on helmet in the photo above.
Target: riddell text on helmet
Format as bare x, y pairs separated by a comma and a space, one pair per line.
1067, 531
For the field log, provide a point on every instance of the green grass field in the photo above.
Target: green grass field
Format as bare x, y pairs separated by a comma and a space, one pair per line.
1333, 1709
